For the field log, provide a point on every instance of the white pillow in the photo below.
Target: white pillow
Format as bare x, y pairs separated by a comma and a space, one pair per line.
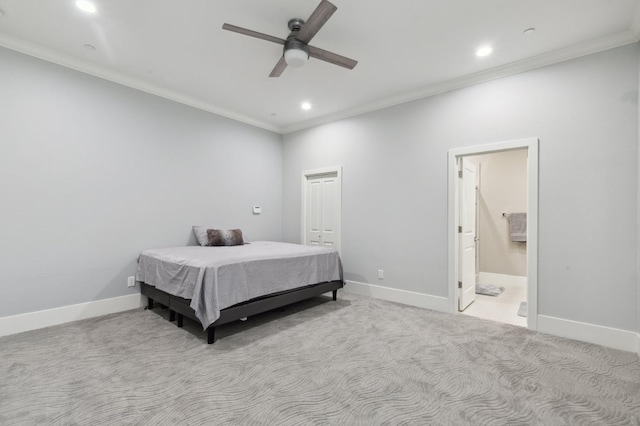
201, 234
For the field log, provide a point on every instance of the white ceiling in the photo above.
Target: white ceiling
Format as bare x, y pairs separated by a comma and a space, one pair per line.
406, 49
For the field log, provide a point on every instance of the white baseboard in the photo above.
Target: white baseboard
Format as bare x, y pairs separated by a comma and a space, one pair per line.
41, 319
501, 279
420, 300
600, 335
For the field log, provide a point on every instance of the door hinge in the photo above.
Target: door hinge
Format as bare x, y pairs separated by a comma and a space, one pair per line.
459, 173
459, 229
459, 284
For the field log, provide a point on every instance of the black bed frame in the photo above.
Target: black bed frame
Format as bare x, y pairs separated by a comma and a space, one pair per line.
179, 307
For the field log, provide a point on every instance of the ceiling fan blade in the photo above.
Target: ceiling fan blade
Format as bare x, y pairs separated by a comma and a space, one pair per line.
280, 66
252, 33
318, 18
332, 58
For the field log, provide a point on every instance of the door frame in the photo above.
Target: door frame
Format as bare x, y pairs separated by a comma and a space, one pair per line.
531, 144
306, 174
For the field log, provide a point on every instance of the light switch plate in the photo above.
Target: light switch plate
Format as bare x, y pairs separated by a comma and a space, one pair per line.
257, 209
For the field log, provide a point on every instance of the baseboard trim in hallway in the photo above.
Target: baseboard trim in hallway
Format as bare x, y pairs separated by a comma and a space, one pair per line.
49, 317
411, 298
600, 335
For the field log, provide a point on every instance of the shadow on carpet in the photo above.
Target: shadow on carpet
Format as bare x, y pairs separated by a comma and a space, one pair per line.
260, 320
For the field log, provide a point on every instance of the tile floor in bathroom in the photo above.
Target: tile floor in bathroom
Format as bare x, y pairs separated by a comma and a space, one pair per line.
502, 308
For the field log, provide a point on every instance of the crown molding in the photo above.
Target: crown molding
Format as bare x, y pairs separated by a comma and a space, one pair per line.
627, 37
50, 55
561, 55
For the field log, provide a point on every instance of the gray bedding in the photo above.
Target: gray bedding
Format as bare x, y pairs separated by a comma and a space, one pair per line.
215, 278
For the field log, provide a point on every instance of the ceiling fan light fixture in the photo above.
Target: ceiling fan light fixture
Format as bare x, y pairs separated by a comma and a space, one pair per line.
296, 53
296, 50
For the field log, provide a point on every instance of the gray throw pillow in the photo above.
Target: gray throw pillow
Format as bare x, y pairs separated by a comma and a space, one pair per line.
221, 237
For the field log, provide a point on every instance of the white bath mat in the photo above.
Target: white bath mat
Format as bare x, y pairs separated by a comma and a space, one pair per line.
489, 289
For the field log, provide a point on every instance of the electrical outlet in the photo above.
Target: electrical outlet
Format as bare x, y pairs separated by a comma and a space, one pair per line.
381, 274
131, 281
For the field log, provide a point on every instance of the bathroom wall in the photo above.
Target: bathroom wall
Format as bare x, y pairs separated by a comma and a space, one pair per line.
502, 188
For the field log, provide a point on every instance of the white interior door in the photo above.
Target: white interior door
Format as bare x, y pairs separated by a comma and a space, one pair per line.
314, 212
322, 210
468, 201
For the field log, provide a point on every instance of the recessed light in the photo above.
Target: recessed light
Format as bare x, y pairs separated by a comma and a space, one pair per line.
529, 31
306, 106
86, 6
89, 47
484, 51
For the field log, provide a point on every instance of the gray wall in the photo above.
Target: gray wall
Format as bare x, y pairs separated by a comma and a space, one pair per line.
91, 173
395, 182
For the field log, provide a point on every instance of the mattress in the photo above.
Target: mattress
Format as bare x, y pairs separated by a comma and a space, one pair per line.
215, 278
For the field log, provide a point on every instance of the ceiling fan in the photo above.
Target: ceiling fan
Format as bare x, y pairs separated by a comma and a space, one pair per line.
296, 47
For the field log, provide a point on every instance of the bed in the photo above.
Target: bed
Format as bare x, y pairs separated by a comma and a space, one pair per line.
219, 284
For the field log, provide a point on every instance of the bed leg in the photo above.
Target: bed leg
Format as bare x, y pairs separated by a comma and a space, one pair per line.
150, 303
172, 315
211, 335
180, 320
335, 295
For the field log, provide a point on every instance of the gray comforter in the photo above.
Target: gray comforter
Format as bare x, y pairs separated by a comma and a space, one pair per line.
215, 278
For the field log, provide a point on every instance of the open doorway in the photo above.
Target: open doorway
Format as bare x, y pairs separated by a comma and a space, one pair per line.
498, 206
493, 267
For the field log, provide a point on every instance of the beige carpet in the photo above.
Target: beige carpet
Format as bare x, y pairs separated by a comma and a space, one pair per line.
357, 361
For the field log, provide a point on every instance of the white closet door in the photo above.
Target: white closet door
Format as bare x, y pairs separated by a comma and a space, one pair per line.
322, 210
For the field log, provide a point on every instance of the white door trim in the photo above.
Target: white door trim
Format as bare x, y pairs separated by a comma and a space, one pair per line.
303, 187
531, 144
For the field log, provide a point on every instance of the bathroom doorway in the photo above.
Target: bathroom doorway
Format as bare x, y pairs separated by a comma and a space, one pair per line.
494, 260
500, 254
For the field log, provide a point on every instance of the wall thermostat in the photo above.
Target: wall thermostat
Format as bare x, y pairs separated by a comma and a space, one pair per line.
257, 209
